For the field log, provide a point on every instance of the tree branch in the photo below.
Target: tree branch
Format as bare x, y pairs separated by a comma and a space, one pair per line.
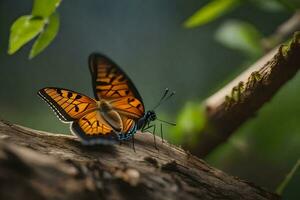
40, 165
234, 104
284, 31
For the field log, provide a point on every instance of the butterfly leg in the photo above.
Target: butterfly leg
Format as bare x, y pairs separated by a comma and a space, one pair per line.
148, 126
161, 133
153, 132
154, 138
145, 127
133, 143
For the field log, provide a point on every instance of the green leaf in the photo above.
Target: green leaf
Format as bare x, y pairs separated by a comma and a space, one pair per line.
241, 36
44, 8
269, 5
191, 120
23, 30
210, 12
46, 37
290, 5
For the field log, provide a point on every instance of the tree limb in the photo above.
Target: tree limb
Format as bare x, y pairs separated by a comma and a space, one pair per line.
284, 31
40, 165
234, 104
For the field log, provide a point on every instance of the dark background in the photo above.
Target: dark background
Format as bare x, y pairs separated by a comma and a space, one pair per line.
148, 40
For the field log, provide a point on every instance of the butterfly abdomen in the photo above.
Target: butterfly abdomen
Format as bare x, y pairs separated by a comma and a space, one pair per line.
111, 116
129, 134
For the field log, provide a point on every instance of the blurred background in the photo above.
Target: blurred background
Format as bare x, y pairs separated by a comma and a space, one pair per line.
159, 45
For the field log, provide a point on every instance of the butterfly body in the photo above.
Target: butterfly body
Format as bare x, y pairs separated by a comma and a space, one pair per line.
117, 112
111, 116
139, 125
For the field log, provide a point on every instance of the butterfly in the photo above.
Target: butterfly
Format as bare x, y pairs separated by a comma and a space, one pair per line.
116, 113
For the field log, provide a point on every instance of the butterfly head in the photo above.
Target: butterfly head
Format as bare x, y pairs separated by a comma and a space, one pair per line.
150, 115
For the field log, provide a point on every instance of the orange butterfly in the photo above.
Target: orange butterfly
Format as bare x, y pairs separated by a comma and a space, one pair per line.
117, 111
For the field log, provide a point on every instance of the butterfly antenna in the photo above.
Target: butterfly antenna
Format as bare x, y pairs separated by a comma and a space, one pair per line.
162, 98
166, 122
172, 94
165, 99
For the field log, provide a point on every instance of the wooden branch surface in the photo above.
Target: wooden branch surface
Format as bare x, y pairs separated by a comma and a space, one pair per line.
40, 165
238, 101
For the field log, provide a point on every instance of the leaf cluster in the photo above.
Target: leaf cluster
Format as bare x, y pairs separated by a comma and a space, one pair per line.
43, 23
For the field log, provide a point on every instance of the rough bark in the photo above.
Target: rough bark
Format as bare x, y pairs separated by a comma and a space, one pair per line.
40, 165
238, 101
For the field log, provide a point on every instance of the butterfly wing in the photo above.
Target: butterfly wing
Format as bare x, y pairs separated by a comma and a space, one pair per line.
92, 128
128, 123
67, 104
111, 83
128, 106
82, 112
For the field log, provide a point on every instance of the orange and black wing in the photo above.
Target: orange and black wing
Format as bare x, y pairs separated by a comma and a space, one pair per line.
92, 128
128, 123
111, 83
67, 104
128, 106
82, 112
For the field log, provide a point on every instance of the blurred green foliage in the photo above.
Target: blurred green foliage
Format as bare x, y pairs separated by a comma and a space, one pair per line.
190, 120
43, 21
277, 124
270, 5
217, 8
288, 178
210, 12
292, 183
241, 36
261, 148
